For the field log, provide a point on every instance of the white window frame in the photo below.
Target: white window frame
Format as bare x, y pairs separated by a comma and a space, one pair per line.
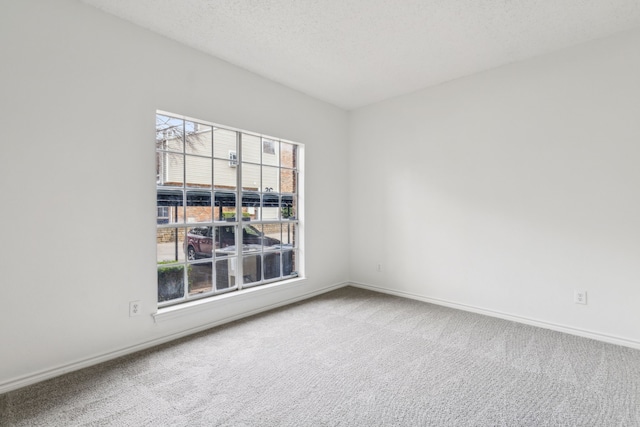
296, 251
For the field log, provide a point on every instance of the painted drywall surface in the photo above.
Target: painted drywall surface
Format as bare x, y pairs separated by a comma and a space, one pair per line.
79, 93
508, 190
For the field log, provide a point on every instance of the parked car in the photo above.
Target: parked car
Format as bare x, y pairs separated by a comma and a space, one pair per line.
201, 241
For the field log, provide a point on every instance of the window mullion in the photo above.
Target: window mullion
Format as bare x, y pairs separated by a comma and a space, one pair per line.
185, 288
212, 203
239, 243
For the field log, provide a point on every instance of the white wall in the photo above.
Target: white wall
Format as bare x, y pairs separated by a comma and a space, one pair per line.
503, 192
507, 190
79, 90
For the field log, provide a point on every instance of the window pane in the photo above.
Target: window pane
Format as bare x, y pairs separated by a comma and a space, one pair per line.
199, 206
251, 213
289, 267
169, 205
270, 179
225, 273
199, 243
251, 148
250, 177
270, 214
169, 133
169, 245
288, 181
272, 236
169, 169
272, 265
224, 206
270, 152
271, 206
225, 174
289, 235
252, 269
252, 238
198, 139
170, 282
225, 240
289, 207
200, 278
224, 141
251, 206
198, 171
288, 153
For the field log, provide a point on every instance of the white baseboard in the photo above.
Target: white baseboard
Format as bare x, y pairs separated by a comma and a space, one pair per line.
46, 374
26, 380
611, 339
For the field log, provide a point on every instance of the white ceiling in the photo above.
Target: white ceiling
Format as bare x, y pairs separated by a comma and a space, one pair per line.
356, 52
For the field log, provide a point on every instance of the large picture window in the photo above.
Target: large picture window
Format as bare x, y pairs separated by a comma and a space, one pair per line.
227, 203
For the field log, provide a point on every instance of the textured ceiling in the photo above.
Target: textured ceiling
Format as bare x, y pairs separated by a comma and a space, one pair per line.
355, 52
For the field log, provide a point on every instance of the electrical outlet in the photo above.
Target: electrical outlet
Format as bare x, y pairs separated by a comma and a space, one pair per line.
580, 297
134, 308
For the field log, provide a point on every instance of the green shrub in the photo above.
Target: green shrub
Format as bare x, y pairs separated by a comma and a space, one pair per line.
171, 280
232, 215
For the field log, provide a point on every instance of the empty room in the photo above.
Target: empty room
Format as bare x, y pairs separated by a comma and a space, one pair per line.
354, 213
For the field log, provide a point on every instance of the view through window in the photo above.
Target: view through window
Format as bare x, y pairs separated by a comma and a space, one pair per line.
227, 203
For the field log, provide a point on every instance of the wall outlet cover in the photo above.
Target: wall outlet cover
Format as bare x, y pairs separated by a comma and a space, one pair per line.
135, 307
580, 297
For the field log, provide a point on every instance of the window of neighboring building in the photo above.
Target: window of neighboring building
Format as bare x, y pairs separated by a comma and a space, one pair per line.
227, 204
268, 146
163, 214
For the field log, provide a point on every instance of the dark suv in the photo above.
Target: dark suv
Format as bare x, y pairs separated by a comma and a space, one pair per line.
201, 242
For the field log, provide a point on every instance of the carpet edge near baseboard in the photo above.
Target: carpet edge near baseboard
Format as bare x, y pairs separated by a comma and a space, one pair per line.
46, 374
584, 333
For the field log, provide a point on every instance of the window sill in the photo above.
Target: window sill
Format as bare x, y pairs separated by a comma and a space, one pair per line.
167, 313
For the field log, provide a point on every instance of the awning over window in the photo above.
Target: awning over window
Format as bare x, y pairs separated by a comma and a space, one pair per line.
175, 197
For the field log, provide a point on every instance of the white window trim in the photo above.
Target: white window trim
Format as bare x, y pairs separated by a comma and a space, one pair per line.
195, 306
165, 309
